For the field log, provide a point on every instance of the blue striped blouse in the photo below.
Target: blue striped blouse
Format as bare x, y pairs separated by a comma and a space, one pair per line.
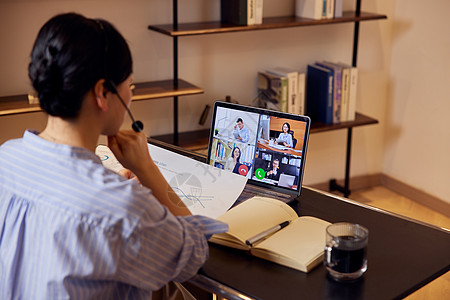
69, 228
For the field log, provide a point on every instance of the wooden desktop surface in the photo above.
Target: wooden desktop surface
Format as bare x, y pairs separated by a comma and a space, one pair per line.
403, 256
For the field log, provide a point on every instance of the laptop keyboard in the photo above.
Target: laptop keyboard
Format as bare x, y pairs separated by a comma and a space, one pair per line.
253, 190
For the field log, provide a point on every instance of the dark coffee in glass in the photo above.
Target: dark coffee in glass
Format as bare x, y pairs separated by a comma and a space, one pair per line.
346, 251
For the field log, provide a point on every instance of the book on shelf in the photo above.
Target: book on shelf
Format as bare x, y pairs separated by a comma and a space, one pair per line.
259, 4
318, 9
241, 12
289, 240
338, 8
337, 88
329, 11
345, 93
319, 94
272, 91
352, 90
292, 76
301, 93
311, 9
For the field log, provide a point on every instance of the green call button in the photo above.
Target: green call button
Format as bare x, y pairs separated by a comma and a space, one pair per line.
260, 173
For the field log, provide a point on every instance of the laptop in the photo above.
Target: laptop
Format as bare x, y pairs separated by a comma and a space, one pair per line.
251, 142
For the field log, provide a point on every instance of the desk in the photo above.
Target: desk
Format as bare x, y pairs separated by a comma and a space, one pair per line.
403, 255
262, 144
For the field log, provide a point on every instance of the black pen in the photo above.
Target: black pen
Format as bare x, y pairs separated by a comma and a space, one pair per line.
266, 233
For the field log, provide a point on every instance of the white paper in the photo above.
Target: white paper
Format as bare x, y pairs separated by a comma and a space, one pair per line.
204, 189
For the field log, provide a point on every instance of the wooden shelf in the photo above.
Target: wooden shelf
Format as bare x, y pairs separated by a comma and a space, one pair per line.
191, 140
195, 140
164, 89
360, 120
200, 28
11, 105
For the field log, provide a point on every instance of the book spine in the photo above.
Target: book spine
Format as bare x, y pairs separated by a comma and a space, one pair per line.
292, 91
338, 5
351, 114
330, 9
259, 11
345, 93
329, 108
337, 96
312, 9
234, 11
319, 94
337, 89
284, 94
300, 108
216, 152
251, 9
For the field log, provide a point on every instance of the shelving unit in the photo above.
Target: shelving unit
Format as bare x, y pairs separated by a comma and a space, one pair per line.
176, 30
177, 87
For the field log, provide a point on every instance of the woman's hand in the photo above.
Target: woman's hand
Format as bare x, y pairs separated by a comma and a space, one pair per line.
128, 174
131, 150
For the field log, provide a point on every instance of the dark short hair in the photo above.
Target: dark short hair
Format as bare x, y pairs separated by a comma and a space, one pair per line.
70, 54
239, 120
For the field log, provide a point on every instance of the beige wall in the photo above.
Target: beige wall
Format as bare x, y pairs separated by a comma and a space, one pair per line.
227, 63
417, 113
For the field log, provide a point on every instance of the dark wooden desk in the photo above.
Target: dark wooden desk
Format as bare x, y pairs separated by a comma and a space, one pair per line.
403, 256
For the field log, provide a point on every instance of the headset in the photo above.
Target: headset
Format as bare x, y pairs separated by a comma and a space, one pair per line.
137, 126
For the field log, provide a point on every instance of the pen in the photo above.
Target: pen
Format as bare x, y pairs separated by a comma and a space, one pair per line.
266, 233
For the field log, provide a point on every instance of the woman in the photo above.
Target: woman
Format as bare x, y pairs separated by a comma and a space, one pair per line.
232, 163
285, 138
70, 227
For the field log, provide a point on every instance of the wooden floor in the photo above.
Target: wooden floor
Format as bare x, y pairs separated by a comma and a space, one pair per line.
383, 198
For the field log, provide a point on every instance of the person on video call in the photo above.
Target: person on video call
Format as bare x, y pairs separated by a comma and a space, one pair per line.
70, 227
232, 163
240, 132
285, 138
273, 173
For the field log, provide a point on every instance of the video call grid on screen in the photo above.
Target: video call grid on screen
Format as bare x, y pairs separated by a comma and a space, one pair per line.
266, 146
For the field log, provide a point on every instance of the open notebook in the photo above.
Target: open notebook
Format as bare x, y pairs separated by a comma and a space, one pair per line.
268, 147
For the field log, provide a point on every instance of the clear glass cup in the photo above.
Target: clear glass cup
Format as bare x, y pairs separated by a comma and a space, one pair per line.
345, 255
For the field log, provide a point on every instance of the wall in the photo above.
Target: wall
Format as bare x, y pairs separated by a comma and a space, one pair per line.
417, 114
223, 64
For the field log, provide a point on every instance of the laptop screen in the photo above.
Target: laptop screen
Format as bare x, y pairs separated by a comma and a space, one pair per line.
268, 147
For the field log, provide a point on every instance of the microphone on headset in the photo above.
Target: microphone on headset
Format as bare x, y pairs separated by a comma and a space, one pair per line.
137, 126
109, 84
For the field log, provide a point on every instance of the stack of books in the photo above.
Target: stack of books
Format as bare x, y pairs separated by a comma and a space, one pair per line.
282, 89
241, 12
318, 9
331, 92
250, 12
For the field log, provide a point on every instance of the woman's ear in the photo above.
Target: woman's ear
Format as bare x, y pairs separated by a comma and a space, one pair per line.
100, 95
